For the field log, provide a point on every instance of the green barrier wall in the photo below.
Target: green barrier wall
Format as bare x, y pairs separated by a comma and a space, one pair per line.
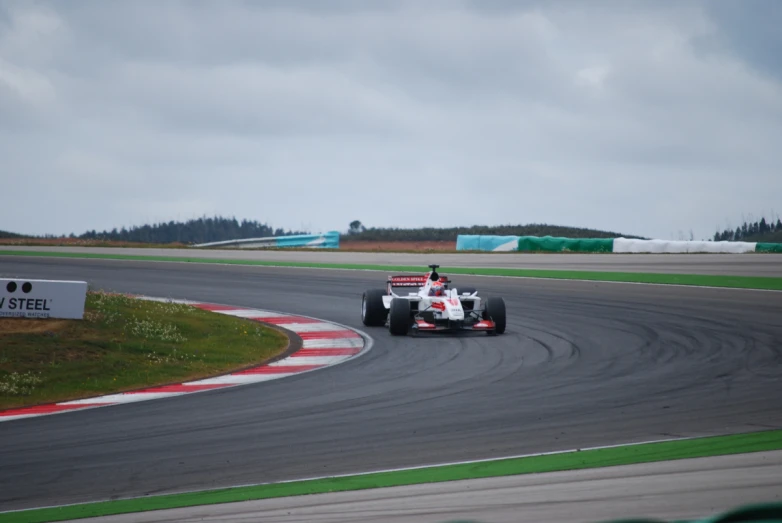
768, 247
556, 244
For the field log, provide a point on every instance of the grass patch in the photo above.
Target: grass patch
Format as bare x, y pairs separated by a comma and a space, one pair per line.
123, 344
623, 455
727, 281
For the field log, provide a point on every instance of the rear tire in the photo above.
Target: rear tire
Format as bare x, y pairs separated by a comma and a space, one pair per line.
399, 317
373, 312
495, 311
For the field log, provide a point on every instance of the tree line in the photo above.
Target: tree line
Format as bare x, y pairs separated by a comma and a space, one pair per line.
750, 231
218, 228
6, 234
358, 232
200, 230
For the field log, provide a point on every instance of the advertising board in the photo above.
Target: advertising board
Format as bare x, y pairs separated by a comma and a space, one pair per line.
25, 298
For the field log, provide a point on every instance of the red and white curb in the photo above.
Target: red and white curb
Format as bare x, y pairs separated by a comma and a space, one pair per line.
324, 344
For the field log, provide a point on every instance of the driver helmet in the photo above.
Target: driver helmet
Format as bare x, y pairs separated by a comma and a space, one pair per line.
437, 289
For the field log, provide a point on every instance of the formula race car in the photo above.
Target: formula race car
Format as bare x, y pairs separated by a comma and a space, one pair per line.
433, 307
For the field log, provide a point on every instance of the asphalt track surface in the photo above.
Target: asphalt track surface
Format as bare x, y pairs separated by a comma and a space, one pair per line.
669, 490
582, 364
733, 264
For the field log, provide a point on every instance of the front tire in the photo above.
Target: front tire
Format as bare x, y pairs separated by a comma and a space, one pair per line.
495, 311
373, 312
399, 317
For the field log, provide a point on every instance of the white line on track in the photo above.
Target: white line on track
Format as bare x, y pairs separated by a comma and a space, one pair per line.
382, 471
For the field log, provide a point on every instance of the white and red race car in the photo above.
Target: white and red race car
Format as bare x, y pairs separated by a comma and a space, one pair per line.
433, 307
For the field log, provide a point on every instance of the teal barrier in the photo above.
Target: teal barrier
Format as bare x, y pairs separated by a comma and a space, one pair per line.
329, 240
557, 244
768, 247
468, 242
477, 242
474, 242
760, 513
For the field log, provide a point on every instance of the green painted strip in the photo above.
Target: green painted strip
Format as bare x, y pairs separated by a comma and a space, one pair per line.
607, 457
745, 282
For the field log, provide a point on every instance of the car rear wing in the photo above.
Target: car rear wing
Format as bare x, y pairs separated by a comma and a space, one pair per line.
411, 281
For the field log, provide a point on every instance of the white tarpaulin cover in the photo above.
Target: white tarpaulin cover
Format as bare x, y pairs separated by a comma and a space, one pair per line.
670, 246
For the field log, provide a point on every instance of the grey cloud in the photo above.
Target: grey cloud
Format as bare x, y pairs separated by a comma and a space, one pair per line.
311, 114
751, 30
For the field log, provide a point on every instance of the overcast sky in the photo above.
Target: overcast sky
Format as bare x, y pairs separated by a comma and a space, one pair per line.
644, 118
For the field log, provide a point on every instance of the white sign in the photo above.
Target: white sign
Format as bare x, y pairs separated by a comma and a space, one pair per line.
20, 298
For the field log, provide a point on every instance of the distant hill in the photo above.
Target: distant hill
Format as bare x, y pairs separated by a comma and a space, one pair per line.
6, 234
201, 230
358, 232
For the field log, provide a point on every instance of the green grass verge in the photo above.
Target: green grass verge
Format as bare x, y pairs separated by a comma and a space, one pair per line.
624, 455
123, 344
744, 282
